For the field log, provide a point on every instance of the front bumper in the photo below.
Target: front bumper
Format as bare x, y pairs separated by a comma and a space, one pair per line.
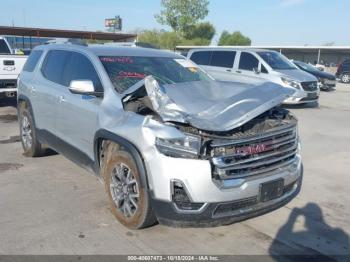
223, 213
309, 97
8, 87
328, 84
240, 195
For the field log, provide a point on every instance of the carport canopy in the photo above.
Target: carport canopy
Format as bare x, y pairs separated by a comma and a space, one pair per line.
60, 33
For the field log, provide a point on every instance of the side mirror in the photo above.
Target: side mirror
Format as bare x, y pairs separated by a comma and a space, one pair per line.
83, 87
256, 70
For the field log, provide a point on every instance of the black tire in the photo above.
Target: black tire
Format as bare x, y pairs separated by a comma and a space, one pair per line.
31, 146
345, 78
117, 165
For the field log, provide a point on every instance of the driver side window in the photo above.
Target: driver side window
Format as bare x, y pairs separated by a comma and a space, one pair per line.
248, 62
79, 67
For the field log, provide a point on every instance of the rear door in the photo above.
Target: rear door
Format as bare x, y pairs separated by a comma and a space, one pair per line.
77, 115
218, 63
46, 92
221, 64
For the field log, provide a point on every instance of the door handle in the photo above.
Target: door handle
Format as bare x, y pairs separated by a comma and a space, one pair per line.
239, 71
61, 99
228, 70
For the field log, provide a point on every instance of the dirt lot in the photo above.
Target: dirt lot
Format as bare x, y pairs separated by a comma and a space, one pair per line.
49, 205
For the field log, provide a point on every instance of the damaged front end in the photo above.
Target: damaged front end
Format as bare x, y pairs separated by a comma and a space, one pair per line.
219, 146
240, 129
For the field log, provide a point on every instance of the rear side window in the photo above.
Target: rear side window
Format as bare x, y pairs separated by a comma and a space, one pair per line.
248, 62
223, 58
201, 57
79, 67
53, 65
32, 60
3, 47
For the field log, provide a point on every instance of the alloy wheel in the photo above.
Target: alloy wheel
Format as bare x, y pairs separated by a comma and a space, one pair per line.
26, 132
345, 78
124, 190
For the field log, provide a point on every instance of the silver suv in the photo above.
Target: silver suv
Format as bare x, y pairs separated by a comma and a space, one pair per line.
169, 142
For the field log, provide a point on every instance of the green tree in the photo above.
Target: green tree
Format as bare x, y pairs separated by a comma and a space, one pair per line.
194, 41
182, 14
202, 30
236, 38
160, 38
168, 40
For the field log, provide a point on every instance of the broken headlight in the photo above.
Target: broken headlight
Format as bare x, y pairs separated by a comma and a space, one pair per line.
185, 147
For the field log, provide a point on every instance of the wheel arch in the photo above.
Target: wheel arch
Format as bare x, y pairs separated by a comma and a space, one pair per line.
103, 134
24, 99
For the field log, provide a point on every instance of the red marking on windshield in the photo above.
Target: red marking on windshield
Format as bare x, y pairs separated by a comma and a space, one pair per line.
123, 74
123, 60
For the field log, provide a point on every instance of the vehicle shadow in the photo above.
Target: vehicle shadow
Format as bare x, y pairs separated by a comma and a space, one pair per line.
301, 106
4, 102
317, 242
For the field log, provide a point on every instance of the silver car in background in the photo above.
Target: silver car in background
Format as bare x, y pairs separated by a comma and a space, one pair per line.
169, 142
252, 66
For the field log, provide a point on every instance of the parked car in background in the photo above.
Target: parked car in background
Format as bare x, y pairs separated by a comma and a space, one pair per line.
343, 71
256, 65
326, 81
170, 143
10, 67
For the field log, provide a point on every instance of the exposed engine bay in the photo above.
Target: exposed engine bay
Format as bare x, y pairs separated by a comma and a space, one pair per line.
206, 105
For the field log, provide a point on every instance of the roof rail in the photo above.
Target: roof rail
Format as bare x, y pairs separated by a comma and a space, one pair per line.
72, 41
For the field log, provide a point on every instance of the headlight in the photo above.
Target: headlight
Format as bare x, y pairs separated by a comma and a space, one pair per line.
186, 147
290, 82
321, 80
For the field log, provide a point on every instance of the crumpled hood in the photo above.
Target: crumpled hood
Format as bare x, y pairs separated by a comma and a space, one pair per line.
214, 105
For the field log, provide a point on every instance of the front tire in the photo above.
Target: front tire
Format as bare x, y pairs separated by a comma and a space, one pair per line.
129, 199
31, 145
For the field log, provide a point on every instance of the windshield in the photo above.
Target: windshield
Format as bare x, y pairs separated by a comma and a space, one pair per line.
125, 71
276, 60
306, 66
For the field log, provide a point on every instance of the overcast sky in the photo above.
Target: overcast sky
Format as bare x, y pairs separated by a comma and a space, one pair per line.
266, 22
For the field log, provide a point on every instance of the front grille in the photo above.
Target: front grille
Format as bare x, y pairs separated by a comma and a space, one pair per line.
255, 155
309, 86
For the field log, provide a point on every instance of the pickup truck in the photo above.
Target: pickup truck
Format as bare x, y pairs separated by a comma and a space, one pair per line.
10, 67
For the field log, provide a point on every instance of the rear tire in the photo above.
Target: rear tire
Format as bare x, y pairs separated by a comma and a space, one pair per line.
31, 146
345, 78
129, 199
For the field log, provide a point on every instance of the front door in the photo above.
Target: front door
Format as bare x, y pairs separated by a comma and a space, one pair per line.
248, 68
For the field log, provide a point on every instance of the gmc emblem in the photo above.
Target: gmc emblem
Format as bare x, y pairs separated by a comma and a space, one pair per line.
252, 150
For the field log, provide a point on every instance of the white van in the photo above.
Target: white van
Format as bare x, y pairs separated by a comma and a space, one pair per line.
256, 65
